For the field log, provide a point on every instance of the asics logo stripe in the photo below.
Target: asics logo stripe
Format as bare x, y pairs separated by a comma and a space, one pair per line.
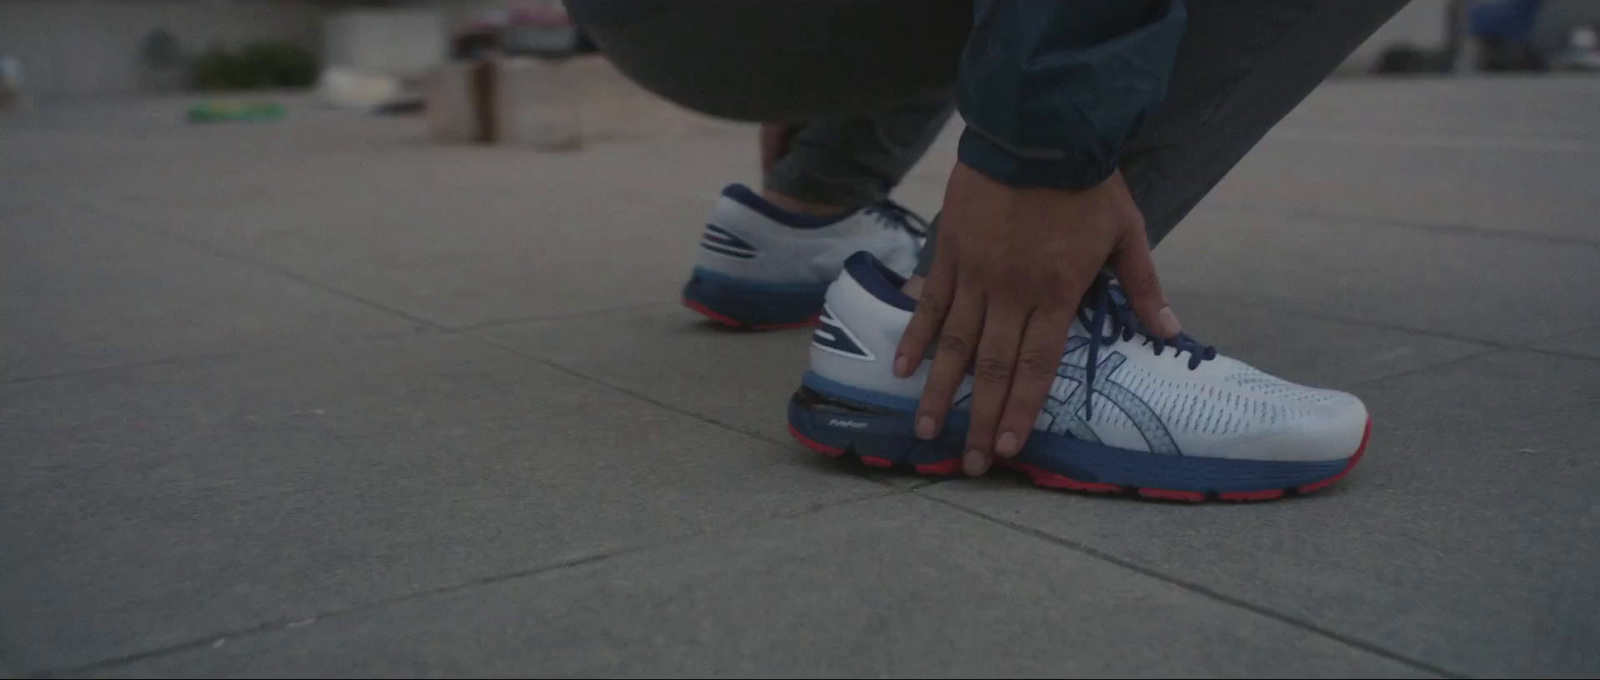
1064, 408
724, 251
832, 336
722, 236
723, 242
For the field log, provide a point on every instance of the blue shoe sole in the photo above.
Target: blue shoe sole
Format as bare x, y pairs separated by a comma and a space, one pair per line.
835, 419
752, 305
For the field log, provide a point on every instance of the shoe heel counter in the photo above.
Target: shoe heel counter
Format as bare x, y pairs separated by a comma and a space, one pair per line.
855, 340
726, 242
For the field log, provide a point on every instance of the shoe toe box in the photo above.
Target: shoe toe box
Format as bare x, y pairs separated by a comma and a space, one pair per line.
1333, 428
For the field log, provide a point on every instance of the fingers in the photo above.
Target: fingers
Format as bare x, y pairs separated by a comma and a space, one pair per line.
952, 355
1137, 274
1038, 357
933, 304
992, 371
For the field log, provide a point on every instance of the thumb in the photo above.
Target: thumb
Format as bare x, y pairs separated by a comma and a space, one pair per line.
1137, 274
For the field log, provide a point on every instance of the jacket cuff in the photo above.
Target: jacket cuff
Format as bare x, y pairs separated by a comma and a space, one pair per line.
1019, 168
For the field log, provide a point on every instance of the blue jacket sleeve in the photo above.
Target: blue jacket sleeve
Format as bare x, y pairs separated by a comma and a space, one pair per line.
1050, 90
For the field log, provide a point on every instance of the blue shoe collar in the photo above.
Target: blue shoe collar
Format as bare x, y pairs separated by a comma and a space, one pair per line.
880, 281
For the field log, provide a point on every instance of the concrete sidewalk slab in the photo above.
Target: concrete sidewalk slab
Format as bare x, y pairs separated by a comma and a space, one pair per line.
1501, 290
674, 356
152, 506
1463, 540
497, 235
1582, 343
84, 291
457, 235
1533, 187
895, 586
736, 378
1554, 105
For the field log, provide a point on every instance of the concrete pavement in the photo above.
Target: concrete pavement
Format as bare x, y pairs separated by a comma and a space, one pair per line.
321, 398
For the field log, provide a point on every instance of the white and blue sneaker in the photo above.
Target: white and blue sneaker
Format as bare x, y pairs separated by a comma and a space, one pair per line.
1170, 419
762, 267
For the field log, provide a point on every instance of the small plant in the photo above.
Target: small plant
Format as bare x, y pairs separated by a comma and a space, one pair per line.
219, 69
280, 64
256, 65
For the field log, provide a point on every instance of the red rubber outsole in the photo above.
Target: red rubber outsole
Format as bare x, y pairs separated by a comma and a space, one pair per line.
1250, 496
1050, 480
730, 322
947, 468
819, 447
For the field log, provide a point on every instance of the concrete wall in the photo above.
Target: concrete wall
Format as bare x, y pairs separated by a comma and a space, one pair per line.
92, 47
406, 41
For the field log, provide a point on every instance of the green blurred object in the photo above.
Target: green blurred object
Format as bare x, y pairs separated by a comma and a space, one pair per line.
223, 111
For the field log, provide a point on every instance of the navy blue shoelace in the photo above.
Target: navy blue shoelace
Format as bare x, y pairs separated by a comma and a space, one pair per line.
898, 216
1104, 302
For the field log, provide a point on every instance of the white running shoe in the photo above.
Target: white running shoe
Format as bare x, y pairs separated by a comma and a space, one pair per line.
763, 267
1171, 419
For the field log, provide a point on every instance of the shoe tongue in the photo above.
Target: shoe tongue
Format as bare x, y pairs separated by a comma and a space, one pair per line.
1119, 301
1118, 298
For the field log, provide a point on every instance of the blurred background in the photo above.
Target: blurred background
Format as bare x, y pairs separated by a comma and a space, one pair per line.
98, 48
64, 48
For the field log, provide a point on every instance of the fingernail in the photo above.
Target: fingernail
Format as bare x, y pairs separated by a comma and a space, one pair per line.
1169, 323
927, 428
1006, 445
900, 366
975, 463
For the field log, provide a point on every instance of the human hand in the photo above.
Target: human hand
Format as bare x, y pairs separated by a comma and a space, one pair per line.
1010, 270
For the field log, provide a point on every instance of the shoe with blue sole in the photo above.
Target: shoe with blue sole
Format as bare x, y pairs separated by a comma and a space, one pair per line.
761, 267
1166, 419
